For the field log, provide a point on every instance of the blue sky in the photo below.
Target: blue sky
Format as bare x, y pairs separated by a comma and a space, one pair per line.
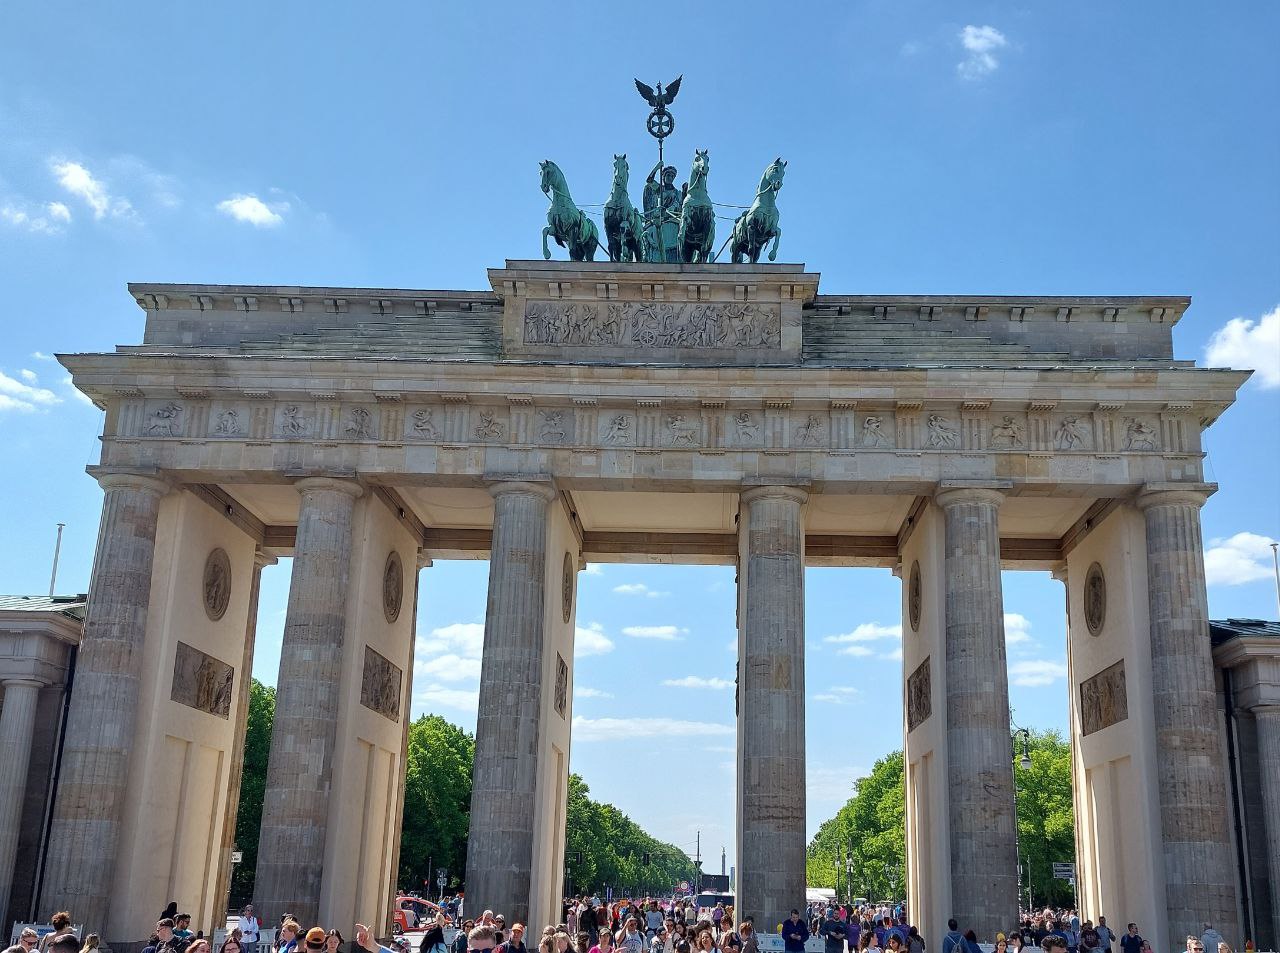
933, 147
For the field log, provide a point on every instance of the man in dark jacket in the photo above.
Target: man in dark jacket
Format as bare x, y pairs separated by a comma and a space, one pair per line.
832, 930
794, 933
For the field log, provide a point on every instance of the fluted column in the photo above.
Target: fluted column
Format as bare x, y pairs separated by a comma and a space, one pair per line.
17, 722
89, 805
1267, 719
504, 778
1199, 877
984, 846
295, 806
771, 740
236, 766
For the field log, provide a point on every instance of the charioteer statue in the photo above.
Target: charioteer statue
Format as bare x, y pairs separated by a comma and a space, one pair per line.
677, 225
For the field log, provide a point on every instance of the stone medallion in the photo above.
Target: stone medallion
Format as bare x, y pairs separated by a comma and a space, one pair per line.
566, 589
217, 584
392, 587
1095, 599
914, 596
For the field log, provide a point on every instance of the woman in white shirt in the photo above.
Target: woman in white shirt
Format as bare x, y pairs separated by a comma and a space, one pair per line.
249, 927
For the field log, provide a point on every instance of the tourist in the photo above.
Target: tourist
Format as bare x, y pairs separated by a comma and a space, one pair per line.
604, 942
91, 943
482, 938
1105, 936
28, 939
333, 941
730, 939
233, 943
460, 941
288, 939
582, 942
895, 944
200, 945
515, 942
706, 943
250, 929
1210, 938
164, 939
631, 939
953, 942
1131, 942
915, 942
64, 943
547, 944
61, 923
794, 933
182, 927
433, 939
588, 922
1053, 943
871, 942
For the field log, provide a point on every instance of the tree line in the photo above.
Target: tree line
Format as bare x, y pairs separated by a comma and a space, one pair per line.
437, 812
861, 851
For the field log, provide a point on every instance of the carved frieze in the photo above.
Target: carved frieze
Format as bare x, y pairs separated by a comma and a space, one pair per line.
919, 695
653, 324
380, 685
201, 681
1104, 699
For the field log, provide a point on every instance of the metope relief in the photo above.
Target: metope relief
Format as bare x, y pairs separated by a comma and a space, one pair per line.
653, 324
380, 685
229, 424
1071, 435
165, 421
1104, 699
873, 434
919, 695
1007, 435
201, 681
216, 584
1138, 435
620, 431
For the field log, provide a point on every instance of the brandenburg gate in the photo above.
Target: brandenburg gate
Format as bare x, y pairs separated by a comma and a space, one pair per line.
583, 411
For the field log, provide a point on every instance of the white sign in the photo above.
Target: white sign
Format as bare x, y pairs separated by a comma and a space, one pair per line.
772, 943
237, 856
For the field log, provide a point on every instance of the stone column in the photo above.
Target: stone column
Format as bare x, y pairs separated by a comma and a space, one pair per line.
504, 778
984, 844
17, 724
771, 752
89, 802
295, 807
236, 767
1198, 859
1267, 719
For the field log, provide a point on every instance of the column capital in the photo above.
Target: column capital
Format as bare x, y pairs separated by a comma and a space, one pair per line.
113, 478
1265, 708
543, 489
36, 683
310, 484
775, 491
1174, 494
956, 492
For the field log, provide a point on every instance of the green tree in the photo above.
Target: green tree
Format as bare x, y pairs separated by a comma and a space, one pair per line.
437, 801
870, 827
613, 848
253, 783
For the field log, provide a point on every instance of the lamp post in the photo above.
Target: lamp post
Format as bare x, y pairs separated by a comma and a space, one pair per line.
848, 870
1024, 763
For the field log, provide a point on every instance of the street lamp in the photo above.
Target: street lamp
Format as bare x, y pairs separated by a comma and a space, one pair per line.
1024, 763
848, 870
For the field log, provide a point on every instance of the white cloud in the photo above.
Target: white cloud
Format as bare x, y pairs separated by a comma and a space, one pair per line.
638, 589
81, 183
594, 569
581, 691
464, 639
448, 697
251, 209
612, 729
15, 217
1235, 560
867, 632
1036, 673
25, 397
590, 640
42, 356
857, 651
448, 668
697, 681
663, 633
29, 376
1017, 628
58, 211
980, 45
1252, 344
838, 695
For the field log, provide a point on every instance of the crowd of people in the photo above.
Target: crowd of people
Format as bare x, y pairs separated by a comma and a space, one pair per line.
588, 925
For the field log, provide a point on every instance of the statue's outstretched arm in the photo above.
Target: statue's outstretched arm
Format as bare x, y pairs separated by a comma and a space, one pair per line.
653, 173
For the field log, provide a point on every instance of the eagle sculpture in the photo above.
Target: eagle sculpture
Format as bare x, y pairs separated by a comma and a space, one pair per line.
662, 98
